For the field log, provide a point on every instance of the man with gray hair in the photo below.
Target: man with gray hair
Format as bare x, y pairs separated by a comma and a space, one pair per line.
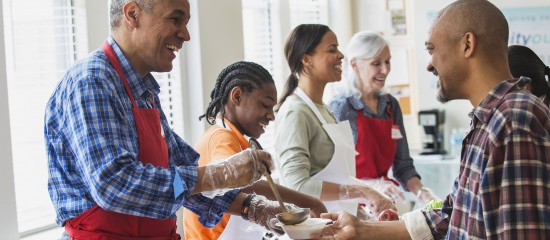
502, 190
116, 168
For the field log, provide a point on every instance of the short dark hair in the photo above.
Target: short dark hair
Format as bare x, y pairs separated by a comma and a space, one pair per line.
524, 62
246, 75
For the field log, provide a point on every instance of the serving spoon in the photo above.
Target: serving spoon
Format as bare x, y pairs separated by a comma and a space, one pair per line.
286, 217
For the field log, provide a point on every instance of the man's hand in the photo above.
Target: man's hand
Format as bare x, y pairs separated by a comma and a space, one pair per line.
344, 226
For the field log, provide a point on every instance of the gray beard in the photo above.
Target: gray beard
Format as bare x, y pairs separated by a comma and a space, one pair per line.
442, 96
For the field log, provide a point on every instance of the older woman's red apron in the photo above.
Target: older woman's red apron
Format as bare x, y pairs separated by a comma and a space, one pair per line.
375, 145
96, 223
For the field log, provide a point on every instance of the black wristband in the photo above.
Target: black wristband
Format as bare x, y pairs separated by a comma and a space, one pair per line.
246, 206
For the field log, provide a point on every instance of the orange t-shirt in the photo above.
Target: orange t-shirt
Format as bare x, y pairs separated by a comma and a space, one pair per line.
216, 144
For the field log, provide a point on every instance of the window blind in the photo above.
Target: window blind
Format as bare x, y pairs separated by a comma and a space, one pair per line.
43, 38
262, 43
308, 11
262, 38
258, 33
171, 96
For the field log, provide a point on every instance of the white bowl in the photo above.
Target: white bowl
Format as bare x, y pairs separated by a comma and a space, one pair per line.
304, 230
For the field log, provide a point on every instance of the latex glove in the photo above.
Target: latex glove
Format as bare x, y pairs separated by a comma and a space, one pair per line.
239, 170
386, 187
425, 195
375, 201
262, 211
362, 214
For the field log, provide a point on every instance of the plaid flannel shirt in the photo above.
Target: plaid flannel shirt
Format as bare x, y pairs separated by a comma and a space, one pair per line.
503, 189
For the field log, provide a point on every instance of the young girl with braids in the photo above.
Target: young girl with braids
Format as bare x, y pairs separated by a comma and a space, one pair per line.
241, 107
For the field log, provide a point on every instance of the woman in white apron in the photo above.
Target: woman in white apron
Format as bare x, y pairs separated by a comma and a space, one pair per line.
242, 105
315, 154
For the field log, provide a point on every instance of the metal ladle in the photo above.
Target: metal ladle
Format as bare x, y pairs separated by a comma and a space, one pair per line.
288, 218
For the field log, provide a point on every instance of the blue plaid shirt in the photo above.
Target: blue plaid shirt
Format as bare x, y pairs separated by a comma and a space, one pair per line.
92, 146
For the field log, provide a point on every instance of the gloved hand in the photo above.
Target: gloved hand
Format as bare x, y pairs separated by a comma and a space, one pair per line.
362, 214
262, 211
375, 201
239, 170
425, 195
386, 187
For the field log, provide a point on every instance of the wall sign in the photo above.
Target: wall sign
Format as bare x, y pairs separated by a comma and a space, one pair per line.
530, 27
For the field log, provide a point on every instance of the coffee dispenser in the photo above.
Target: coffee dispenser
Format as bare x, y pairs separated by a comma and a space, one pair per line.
432, 123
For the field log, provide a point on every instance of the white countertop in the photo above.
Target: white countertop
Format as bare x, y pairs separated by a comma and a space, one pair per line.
438, 172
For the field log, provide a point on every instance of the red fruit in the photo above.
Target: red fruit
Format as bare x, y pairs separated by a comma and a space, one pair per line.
388, 215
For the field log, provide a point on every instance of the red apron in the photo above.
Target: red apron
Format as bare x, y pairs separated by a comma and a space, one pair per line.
375, 146
96, 223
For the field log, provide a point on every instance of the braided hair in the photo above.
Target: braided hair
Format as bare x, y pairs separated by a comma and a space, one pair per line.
246, 75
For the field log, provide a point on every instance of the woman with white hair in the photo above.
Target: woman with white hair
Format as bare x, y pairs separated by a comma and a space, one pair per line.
376, 119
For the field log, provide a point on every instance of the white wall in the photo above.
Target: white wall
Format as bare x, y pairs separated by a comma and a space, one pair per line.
97, 17
8, 216
341, 21
216, 41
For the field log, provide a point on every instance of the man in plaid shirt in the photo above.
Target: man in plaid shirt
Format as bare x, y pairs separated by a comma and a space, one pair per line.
502, 191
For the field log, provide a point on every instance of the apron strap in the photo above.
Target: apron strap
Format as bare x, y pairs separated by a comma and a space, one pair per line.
388, 108
110, 53
301, 94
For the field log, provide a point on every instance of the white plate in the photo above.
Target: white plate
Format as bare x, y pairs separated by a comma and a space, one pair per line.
305, 229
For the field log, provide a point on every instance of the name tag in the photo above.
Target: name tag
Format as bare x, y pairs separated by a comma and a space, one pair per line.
395, 132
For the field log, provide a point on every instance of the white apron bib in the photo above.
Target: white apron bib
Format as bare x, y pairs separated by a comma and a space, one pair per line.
341, 168
238, 228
